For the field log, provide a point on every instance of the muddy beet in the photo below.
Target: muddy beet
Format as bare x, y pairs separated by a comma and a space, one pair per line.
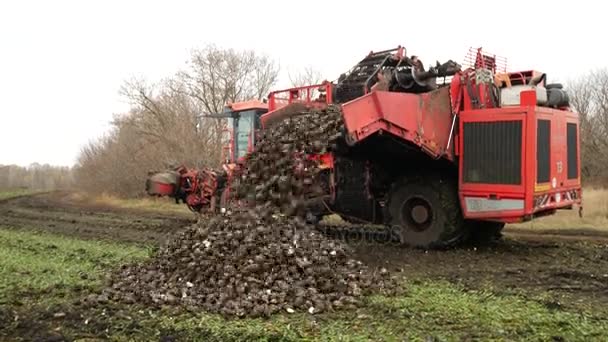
263, 260
247, 265
280, 173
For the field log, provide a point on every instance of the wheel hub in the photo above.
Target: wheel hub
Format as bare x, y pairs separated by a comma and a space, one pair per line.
418, 213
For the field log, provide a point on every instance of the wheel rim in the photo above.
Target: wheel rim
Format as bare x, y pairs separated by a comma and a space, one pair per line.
418, 213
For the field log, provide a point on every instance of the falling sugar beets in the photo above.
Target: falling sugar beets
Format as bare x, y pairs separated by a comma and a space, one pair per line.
278, 174
263, 260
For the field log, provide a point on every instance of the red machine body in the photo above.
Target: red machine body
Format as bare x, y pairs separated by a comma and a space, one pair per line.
427, 121
544, 171
540, 153
503, 146
196, 188
422, 119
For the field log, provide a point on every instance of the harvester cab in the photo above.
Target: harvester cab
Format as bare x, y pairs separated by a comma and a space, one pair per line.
242, 127
203, 188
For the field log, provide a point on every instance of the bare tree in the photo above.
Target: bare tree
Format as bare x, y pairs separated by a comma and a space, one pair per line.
306, 76
589, 97
160, 130
163, 126
164, 115
217, 76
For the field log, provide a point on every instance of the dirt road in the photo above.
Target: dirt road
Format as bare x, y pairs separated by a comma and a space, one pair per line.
570, 265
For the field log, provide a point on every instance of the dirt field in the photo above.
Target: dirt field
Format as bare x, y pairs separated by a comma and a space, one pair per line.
561, 273
72, 215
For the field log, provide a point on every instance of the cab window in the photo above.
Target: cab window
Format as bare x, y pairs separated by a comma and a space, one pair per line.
243, 132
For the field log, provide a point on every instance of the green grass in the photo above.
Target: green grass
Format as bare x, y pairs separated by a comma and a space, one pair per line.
32, 263
7, 194
428, 311
446, 311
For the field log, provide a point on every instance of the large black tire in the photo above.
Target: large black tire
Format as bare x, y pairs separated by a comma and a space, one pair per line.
484, 232
425, 213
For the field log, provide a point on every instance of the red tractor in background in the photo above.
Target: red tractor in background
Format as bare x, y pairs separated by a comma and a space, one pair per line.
440, 155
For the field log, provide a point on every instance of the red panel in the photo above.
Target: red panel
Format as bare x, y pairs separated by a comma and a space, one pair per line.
559, 158
528, 189
496, 191
529, 162
360, 113
246, 105
423, 119
325, 160
161, 189
527, 98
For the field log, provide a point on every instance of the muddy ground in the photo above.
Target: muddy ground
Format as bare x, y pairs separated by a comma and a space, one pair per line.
569, 267
63, 213
570, 261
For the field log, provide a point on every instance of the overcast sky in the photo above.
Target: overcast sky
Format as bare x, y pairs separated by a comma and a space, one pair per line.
62, 62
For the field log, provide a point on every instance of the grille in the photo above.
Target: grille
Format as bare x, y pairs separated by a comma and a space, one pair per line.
543, 151
572, 151
492, 152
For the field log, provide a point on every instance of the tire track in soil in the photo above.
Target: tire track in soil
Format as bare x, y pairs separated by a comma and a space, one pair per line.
573, 268
58, 212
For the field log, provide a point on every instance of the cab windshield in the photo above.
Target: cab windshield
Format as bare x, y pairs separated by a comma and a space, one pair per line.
243, 132
243, 126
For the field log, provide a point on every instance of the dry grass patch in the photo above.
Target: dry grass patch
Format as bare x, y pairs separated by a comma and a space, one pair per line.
595, 214
13, 193
148, 203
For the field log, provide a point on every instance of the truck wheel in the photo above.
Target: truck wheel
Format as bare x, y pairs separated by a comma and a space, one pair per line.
425, 213
483, 232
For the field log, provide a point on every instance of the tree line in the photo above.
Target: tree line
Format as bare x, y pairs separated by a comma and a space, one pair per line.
589, 97
165, 125
35, 177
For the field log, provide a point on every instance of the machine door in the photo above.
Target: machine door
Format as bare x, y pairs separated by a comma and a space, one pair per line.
492, 167
243, 127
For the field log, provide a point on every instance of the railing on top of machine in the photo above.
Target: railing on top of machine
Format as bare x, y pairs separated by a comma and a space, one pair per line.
476, 58
313, 95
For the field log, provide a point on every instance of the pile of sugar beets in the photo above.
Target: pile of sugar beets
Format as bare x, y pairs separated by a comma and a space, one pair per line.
265, 259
